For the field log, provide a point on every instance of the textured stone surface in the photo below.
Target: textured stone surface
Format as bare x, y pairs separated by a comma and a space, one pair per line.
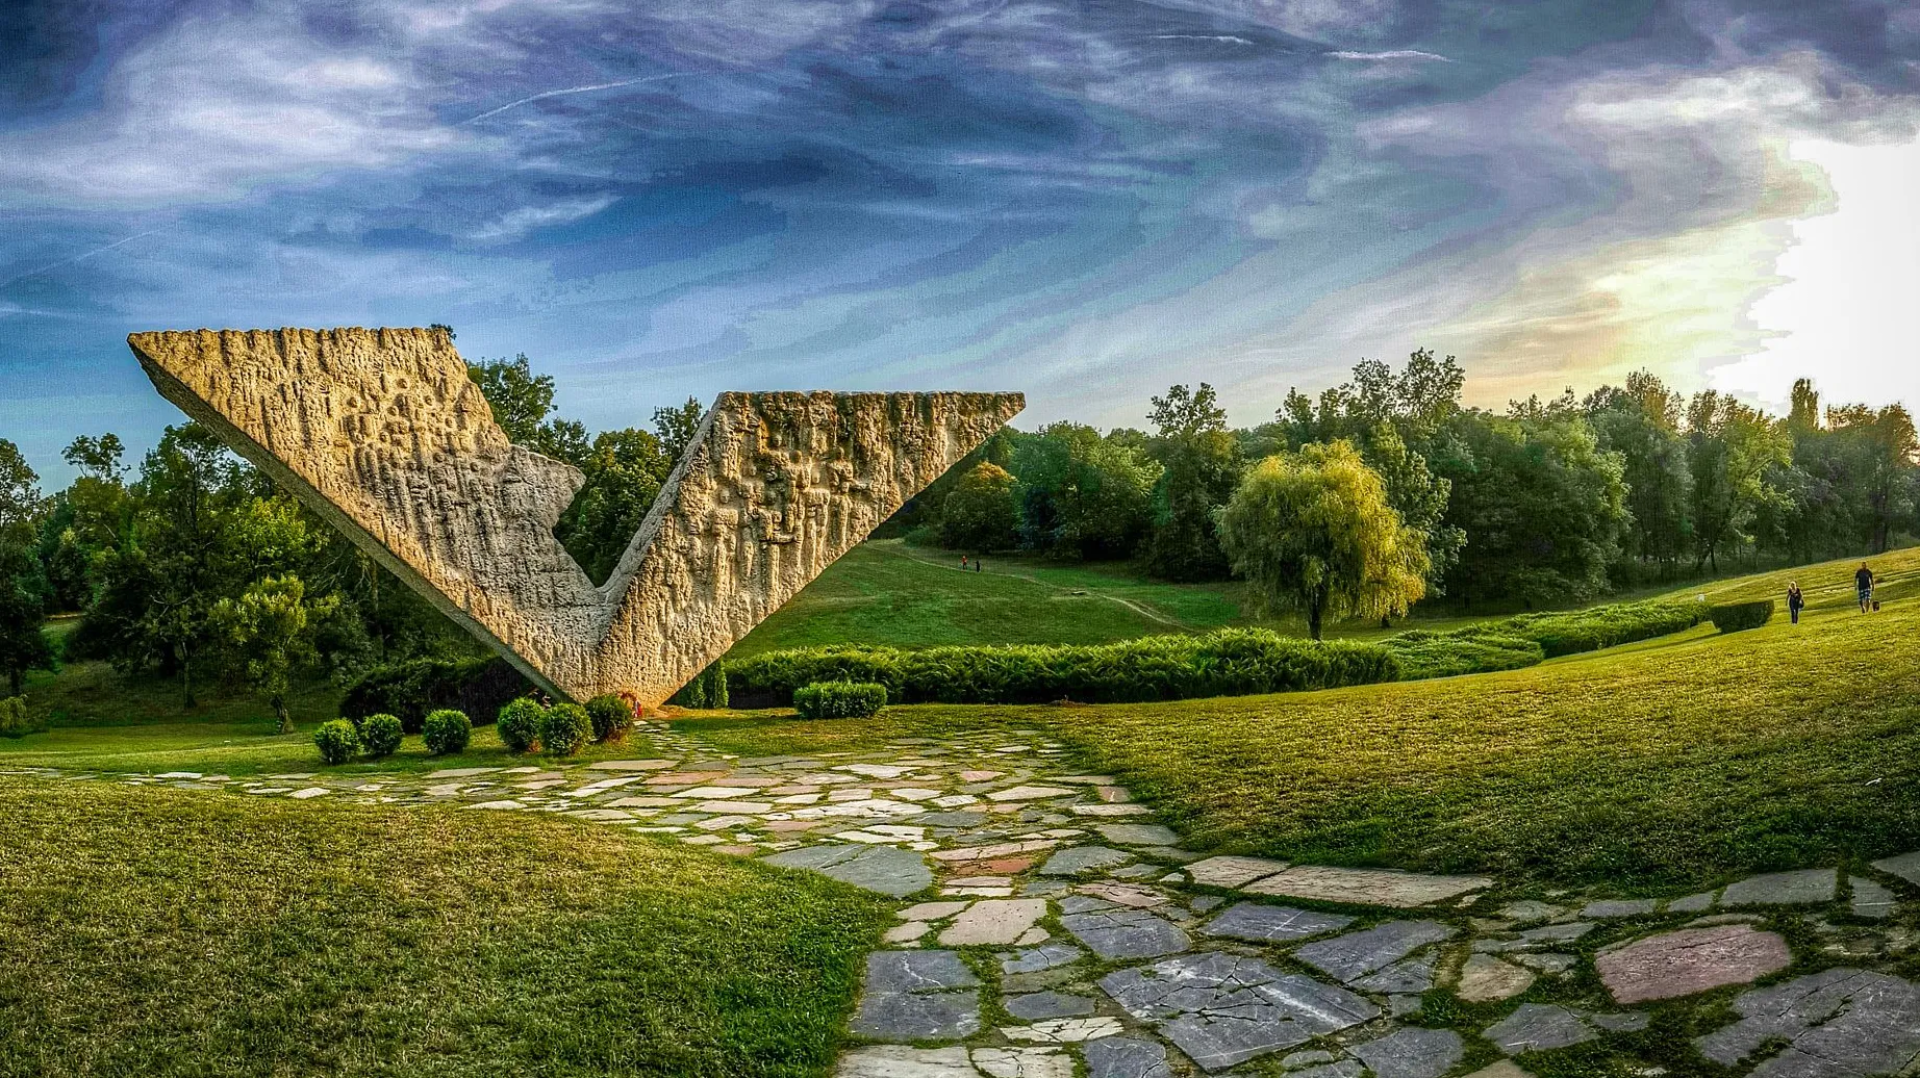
1126, 933
1840, 1022
1412, 1053
1534, 1027
1870, 900
995, 921
1366, 886
1083, 859
1691, 960
1039, 1005
1486, 979
1274, 924
1906, 866
1223, 1009
918, 996
1023, 1063
889, 1061
1810, 887
1233, 871
1126, 1057
382, 432
882, 869
1357, 954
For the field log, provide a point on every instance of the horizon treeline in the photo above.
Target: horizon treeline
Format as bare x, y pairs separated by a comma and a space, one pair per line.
1553, 501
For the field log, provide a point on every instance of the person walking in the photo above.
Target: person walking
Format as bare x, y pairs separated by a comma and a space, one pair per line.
1863, 581
963, 563
976, 563
1795, 601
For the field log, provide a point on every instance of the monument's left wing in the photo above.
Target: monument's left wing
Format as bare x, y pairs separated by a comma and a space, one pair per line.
382, 432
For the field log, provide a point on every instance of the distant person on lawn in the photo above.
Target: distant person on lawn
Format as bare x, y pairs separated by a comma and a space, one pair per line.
976, 565
1795, 601
963, 563
1863, 580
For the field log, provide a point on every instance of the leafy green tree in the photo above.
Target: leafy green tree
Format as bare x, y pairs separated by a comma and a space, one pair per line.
1541, 504
1732, 449
1312, 532
1200, 465
982, 513
272, 630
624, 472
521, 401
676, 427
19, 492
1884, 447
23, 644
1640, 422
1083, 495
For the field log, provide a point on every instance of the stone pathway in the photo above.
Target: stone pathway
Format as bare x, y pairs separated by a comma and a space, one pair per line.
1051, 927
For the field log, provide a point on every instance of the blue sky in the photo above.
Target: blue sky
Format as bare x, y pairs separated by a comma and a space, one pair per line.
1087, 201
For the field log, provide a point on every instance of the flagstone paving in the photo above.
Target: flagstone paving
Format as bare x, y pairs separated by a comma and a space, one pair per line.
1050, 926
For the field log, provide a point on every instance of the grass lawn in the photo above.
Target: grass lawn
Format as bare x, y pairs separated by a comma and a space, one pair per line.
1676, 762
161, 932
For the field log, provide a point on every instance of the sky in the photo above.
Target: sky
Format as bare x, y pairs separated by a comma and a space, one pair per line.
1085, 200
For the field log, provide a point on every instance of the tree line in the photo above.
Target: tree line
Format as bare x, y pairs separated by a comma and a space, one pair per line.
1551, 501
1379, 493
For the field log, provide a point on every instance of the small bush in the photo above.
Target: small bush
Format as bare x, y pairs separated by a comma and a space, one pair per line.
381, 735
14, 720
1738, 617
447, 731
840, 700
564, 729
519, 723
716, 682
337, 741
611, 717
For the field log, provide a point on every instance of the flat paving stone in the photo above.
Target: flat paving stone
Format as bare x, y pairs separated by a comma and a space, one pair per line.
1234, 871
1079, 859
917, 971
882, 869
1870, 900
1537, 1027
1023, 1063
1273, 924
1412, 1053
1126, 1057
891, 1061
1407, 976
1691, 960
1610, 908
1063, 1030
1039, 1005
1042, 958
1486, 979
1811, 887
1357, 954
1137, 834
924, 1016
1506, 1068
1906, 866
1366, 886
1126, 933
1839, 1023
994, 921
1223, 1009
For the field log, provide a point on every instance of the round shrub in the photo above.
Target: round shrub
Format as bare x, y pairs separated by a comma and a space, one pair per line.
447, 731
337, 741
611, 717
519, 723
380, 735
840, 699
564, 728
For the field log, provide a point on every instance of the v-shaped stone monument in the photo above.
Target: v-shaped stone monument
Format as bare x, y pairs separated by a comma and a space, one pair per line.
382, 432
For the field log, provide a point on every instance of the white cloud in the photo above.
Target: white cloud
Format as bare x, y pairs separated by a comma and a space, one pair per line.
1388, 56
519, 222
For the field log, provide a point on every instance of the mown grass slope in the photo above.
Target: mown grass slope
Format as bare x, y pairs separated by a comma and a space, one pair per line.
1672, 762
163, 932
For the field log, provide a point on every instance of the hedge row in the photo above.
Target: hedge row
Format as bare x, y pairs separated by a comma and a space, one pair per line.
411, 690
839, 700
1227, 662
1522, 641
1739, 617
1425, 654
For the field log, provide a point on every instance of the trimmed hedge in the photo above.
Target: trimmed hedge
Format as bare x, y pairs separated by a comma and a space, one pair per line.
412, 689
518, 723
611, 717
1739, 617
337, 741
840, 700
1227, 662
708, 689
381, 735
1575, 632
1425, 654
447, 731
564, 729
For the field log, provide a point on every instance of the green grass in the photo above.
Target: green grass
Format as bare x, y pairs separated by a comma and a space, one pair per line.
161, 932
1675, 762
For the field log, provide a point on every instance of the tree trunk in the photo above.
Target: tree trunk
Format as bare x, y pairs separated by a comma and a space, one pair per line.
186, 677
1313, 621
15, 679
280, 712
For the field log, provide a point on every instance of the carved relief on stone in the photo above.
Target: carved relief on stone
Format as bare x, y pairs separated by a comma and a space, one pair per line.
382, 432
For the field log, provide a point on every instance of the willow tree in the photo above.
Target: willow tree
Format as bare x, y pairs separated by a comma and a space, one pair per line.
1313, 532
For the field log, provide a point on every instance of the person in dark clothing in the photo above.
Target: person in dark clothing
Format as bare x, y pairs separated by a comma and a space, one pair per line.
1863, 580
976, 564
1795, 602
